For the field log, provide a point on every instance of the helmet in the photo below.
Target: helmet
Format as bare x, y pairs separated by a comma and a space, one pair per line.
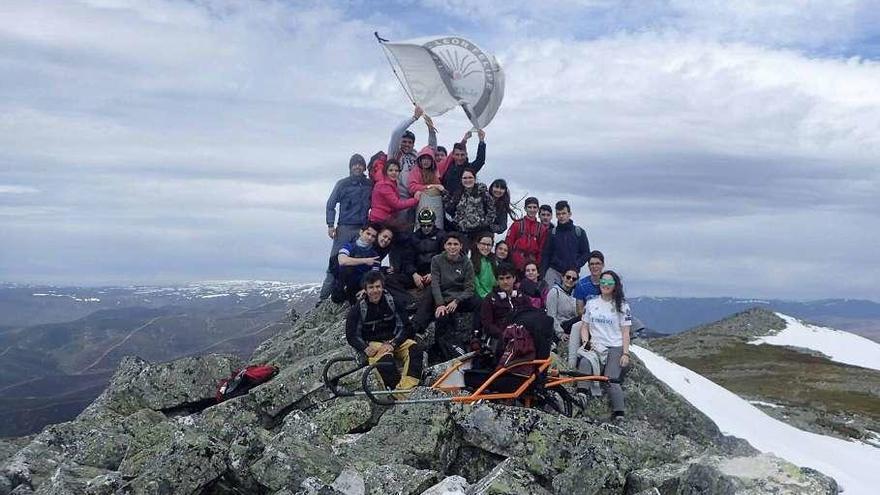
426, 216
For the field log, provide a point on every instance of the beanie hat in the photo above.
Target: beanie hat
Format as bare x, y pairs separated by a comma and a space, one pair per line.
356, 159
531, 200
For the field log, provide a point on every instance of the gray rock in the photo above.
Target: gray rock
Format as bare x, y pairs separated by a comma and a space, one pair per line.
188, 464
509, 478
105, 484
138, 384
450, 485
299, 451
398, 479
751, 475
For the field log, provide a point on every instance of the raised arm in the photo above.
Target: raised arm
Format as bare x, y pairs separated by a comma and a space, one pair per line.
481, 152
397, 133
432, 132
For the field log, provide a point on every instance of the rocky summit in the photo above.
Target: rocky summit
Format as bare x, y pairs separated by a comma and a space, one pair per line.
156, 430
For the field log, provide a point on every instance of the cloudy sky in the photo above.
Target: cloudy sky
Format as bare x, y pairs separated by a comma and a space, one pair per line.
708, 149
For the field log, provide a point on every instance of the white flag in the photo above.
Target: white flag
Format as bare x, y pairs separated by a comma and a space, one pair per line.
441, 73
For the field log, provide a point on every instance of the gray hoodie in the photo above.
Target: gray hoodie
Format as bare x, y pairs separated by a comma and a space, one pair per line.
451, 279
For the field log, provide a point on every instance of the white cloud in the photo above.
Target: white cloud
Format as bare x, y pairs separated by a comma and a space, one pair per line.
691, 154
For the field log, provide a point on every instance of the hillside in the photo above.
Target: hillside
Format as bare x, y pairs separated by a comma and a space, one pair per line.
801, 387
156, 430
52, 371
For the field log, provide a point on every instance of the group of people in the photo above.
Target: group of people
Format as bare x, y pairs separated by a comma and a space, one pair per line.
437, 224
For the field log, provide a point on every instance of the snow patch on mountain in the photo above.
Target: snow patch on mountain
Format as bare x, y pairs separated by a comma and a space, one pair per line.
852, 464
840, 346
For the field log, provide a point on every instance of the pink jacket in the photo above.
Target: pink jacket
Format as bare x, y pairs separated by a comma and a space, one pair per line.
415, 176
386, 201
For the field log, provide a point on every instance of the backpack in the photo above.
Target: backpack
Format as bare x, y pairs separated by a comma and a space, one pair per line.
518, 345
528, 244
244, 379
362, 305
578, 232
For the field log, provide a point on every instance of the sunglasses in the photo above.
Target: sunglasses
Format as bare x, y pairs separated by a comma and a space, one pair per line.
607, 283
485, 244
569, 277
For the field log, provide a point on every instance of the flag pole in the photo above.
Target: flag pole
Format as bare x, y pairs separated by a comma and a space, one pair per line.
382, 42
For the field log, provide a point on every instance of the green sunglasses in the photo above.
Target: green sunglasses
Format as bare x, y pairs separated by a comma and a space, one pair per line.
607, 283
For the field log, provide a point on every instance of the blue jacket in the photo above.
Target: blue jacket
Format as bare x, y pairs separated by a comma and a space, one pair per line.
567, 247
353, 196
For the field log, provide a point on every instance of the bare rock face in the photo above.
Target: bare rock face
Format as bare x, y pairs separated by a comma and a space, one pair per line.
155, 430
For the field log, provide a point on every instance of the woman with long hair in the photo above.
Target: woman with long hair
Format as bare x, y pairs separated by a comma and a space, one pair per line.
471, 207
502, 253
561, 304
501, 199
533, 286
427, 179
600, 342
385, 200
484, 272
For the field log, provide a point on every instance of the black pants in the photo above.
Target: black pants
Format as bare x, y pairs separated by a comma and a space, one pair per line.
397, 284
448, 343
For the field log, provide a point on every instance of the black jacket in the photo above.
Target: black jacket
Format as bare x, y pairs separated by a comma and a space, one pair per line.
452, 178
422, 248
368, 322
567, 247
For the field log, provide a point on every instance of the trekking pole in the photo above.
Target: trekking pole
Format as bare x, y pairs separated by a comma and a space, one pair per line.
388, 56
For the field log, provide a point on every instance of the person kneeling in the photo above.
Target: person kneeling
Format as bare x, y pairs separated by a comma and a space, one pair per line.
376, 327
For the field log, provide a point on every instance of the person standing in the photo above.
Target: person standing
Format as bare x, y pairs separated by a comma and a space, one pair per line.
471, 207
352, 194
527, 236
567, 246
503, 211
402, 148
588, 287
546, 216
456, 163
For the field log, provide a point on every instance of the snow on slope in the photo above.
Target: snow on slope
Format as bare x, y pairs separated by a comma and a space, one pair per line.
854, 465
840, 346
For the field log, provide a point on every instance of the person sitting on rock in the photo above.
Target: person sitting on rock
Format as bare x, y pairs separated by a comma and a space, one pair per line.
452, 290
600, 342
424, 244
376, 327
354, 260
500, 304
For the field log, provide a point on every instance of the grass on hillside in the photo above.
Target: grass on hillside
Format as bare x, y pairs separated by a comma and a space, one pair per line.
771, 371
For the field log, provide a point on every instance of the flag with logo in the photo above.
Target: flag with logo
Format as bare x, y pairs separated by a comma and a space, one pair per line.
441, 73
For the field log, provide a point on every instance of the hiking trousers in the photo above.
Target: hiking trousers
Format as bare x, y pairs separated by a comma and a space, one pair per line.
612, 370
410, 359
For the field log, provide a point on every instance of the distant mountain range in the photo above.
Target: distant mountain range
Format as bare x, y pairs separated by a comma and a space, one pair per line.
59, 345
671, 315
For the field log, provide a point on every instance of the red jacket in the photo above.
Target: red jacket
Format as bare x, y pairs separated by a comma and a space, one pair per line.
526, 239
415, 175
385, 201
